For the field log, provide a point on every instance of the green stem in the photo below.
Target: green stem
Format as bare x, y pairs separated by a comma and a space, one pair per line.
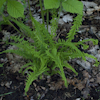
60, 9
30, 13
10, 23
41, 11
47, 18
13, 26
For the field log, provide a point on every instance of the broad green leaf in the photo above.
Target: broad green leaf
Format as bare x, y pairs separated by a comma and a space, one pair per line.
15, 9
50, 4
1, 3
73, 6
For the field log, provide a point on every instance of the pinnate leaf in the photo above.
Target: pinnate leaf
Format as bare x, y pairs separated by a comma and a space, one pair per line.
15, 9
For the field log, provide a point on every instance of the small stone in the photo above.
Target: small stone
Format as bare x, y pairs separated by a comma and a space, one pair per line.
8, 84
2, 83
93, 50
91, 80
61, 21
10, 56
43, 88
84, 64
98, 57
98, 51
78, 99
67, 18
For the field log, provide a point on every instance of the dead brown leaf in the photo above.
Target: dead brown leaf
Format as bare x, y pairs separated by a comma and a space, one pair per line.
86, 74
56, 86
98, 78
80, 86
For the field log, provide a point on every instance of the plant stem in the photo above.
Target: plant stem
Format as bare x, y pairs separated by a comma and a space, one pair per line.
30, 13
10, 23
42, 13
60, 9
13, 26
47, 18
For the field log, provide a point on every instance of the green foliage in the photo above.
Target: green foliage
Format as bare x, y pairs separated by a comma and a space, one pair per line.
2, 2
76, 24
54, 22
43, 54
73, 6
49, 4
15, 9
46, 55
2, 6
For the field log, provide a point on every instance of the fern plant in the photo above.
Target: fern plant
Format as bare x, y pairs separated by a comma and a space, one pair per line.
45, 55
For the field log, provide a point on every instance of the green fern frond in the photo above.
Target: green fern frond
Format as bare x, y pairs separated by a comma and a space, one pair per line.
71, 46
44, 54
95, 42
91, 56
33, 76
42, 34
56, 58
76, 24
25, 65
54, 22
26, 29
69, 67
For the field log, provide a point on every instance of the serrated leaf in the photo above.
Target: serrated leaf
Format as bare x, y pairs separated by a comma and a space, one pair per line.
1, 3
50, 4
73, 6
15, 9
